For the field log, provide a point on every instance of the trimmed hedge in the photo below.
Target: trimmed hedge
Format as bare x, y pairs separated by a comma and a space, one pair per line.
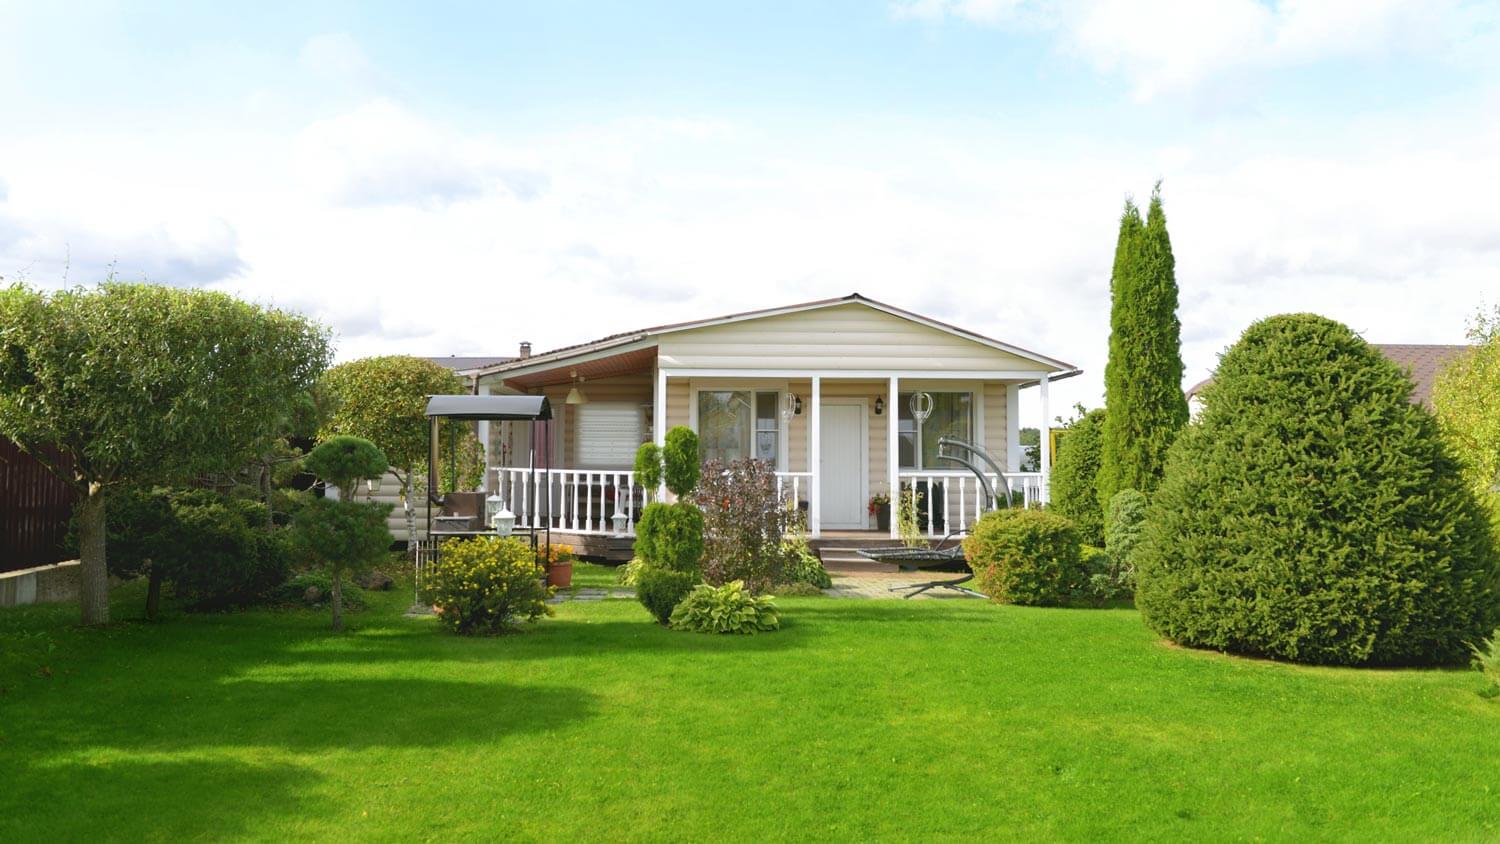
671, 536
1314, 514
1026, 557
660, 590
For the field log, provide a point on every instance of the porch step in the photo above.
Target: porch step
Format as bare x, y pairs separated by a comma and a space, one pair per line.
849, 560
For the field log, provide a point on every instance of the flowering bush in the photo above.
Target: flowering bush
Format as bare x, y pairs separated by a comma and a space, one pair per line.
730, 608
485, 585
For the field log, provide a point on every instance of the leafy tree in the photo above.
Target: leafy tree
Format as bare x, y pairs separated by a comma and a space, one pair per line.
144, 384
1031, 449
384, 400
1313, 513
1143, 377
1075, 478
1467, 399
344, 536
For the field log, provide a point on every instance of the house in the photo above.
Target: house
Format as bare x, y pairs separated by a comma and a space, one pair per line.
824, 391
1422, 363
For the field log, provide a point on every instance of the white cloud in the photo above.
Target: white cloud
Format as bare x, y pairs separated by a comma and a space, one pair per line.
335, 56
1181, 46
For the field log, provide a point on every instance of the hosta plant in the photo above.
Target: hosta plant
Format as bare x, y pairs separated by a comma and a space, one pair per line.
730, 608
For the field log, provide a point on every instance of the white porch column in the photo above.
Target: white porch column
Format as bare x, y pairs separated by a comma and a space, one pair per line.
483, 433
1044, 454
815, 460
893, 450
659, 425
1012, 427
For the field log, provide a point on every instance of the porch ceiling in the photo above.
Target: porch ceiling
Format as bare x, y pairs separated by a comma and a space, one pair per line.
625, 363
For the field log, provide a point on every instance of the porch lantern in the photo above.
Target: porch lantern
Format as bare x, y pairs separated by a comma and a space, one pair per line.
575, 395
620, 521
504, 522
879, 405
372, 485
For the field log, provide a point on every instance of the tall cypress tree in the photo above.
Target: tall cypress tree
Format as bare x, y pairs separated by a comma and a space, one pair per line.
1143, 378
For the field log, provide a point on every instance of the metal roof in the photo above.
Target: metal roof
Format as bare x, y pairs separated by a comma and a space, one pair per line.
494, 408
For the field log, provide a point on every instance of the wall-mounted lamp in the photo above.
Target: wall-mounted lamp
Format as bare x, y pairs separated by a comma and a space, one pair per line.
879, 405
797, 405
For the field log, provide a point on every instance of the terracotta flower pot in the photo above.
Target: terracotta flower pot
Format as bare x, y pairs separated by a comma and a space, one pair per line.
560, 575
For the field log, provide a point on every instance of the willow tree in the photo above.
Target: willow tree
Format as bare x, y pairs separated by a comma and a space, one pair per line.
1143, 377
138, 384
384, 400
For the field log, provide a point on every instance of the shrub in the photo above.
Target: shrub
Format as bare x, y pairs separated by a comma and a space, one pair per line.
630, 573
486, 585
343, 460
1124, 522
1487, 660
314, 588
648, 467
798, 589
1313, 513
670, 536
1075, 477
744, 524
660, 590
680, 459
342, 537
1106, 579
730, 608
1025, 557
801, 565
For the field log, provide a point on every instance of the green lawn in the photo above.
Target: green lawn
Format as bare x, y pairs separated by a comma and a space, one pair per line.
860, 720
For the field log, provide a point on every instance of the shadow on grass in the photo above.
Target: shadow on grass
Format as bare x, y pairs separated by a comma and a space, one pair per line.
306, 715
210, 799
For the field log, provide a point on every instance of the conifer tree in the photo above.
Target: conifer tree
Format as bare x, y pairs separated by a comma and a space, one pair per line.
1143, 378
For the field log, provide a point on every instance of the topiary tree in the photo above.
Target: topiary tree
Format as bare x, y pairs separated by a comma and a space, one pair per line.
144, 385
681, 467
1026, 557
669, 537
1143, 377
1313, 513
384, 400
1075, 477
344, 536
1467, 399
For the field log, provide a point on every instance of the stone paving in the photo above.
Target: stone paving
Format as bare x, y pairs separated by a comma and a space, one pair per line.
845, 585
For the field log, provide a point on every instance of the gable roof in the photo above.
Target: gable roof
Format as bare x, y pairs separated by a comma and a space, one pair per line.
464, 364
1421, 362
640, 336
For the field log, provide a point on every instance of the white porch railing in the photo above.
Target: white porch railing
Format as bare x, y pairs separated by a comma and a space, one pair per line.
584, 500
962, 498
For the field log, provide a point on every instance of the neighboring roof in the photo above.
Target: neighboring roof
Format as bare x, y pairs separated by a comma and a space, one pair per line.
495, 408
626, 338
1421, 362
461, 364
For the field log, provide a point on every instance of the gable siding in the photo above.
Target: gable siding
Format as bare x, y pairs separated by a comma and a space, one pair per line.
849, 336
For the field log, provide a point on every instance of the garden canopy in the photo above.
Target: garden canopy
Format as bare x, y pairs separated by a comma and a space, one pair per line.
493, 408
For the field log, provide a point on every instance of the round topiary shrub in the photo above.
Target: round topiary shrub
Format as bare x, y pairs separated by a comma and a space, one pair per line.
342, 460
671, 536
1313, 513
1075, 477
486, 585
1026, 557
660, 590
681, 466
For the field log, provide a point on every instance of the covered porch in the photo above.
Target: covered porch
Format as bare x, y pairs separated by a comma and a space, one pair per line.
835, 438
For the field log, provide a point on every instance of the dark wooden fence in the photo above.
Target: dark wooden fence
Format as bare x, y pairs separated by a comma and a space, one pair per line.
35, 506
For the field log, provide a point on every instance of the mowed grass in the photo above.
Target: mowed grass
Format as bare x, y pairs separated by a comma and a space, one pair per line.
860, 720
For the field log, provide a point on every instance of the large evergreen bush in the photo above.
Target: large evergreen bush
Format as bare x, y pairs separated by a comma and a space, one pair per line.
1313, 513
1026, 557
1075, 477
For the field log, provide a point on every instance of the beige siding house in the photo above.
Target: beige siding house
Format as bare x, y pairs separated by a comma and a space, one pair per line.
824, 391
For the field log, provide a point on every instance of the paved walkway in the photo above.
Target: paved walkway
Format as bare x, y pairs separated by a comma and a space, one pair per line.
845, 585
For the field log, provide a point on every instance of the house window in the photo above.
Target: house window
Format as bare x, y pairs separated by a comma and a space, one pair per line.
733, 424
952, 416
607, 434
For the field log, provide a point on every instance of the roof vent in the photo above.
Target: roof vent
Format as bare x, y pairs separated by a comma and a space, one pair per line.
525, 349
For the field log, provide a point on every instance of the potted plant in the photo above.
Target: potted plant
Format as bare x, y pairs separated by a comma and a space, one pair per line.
560, 566
880, 508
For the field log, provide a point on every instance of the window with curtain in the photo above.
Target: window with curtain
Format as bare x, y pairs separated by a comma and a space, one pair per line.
734, 424
952, 416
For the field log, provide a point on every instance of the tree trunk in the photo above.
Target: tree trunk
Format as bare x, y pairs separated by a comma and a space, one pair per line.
338, 601
153, 591
93, 572
411, 516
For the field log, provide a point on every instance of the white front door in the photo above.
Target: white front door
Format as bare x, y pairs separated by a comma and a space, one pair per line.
843, 473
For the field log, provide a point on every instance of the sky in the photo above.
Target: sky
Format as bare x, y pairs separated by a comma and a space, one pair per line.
444, 178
